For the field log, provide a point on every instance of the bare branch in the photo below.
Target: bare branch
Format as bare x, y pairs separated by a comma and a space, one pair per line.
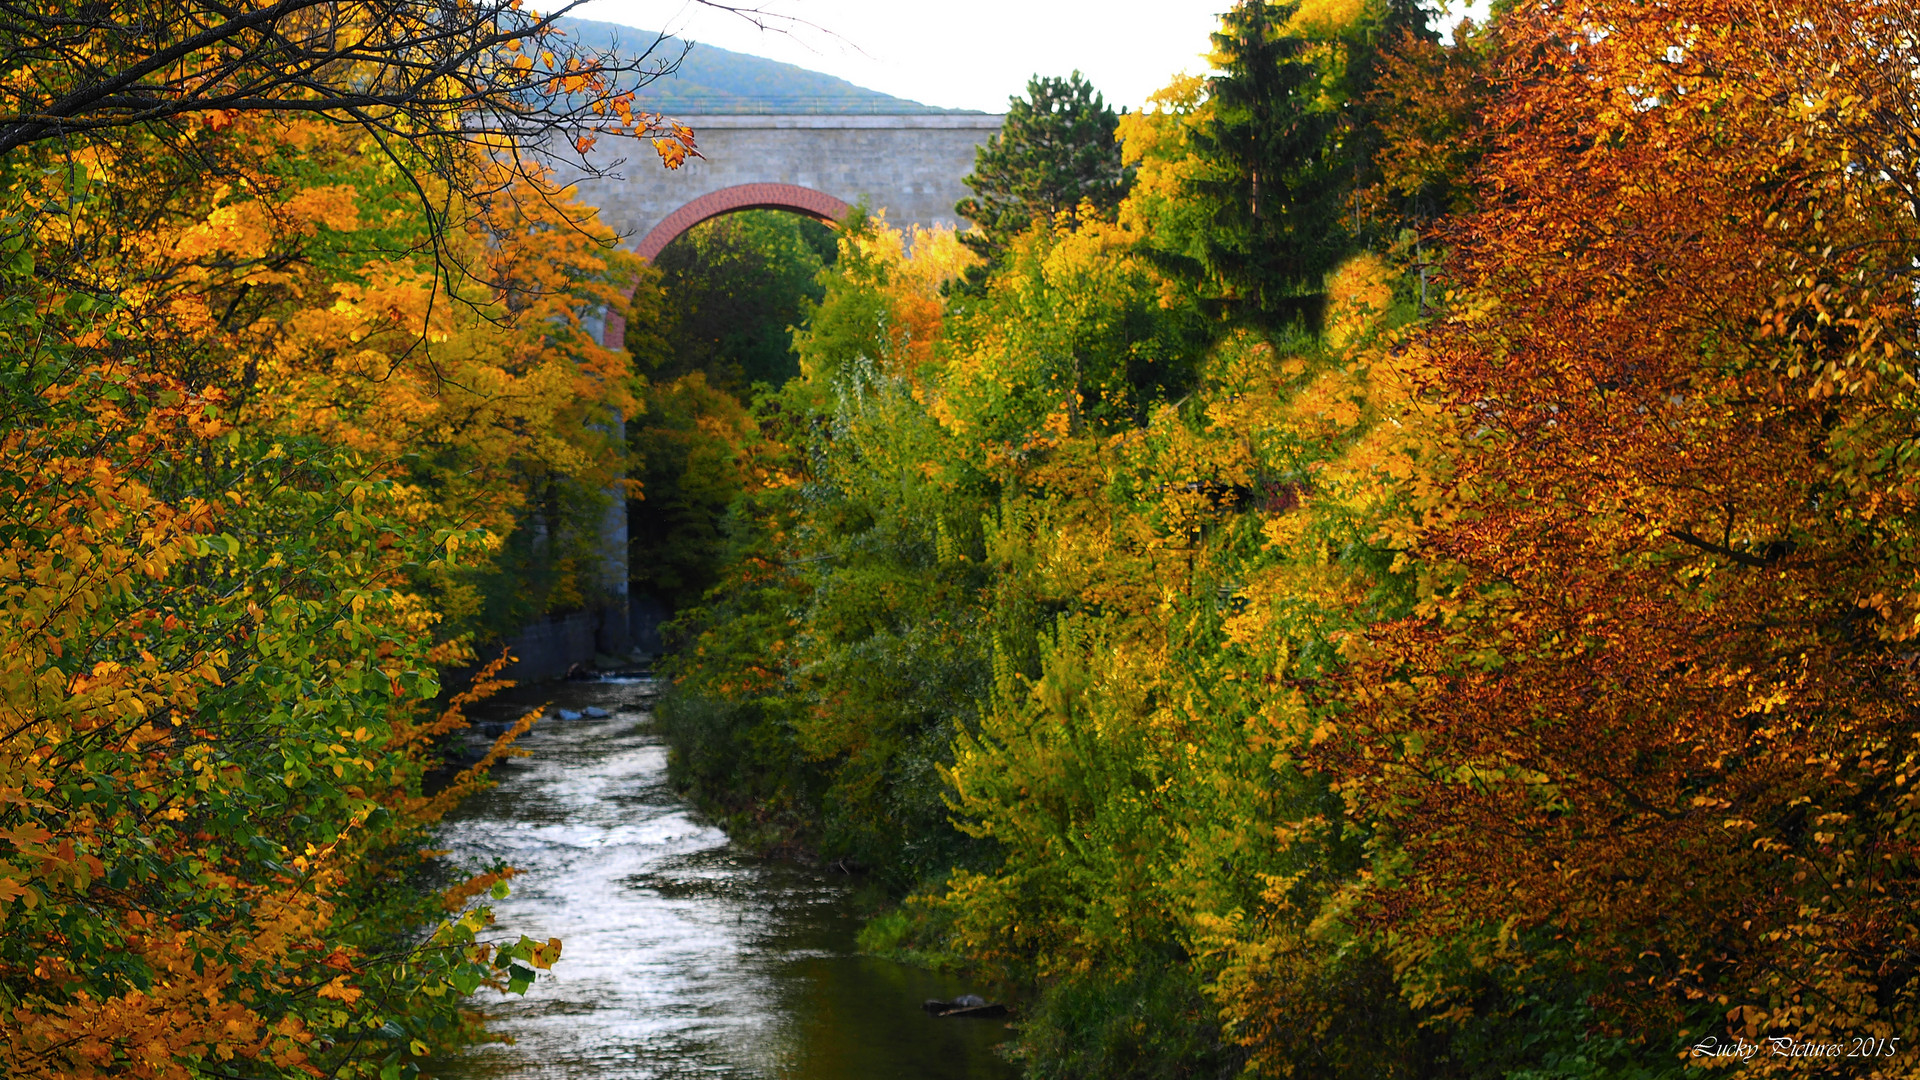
488, 74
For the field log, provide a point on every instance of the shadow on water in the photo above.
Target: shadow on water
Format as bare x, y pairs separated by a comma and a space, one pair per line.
683, 957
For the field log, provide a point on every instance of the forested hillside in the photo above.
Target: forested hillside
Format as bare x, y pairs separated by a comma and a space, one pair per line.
706, 79
1402, 564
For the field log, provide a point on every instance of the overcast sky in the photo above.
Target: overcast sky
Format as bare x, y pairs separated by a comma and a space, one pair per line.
958, 56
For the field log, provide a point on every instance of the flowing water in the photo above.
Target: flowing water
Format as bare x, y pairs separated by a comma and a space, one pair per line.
683, 956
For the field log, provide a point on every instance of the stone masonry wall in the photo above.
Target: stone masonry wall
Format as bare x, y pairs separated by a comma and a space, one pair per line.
910, 165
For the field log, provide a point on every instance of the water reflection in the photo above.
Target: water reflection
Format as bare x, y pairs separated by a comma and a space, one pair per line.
683, 957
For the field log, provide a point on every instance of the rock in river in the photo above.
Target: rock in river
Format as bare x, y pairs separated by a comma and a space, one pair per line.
965, 1005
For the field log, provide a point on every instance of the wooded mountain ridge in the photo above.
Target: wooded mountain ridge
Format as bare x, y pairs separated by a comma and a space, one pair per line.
710, 79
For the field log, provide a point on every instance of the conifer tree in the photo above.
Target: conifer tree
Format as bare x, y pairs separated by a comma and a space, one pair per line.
1056, 148
1274, 181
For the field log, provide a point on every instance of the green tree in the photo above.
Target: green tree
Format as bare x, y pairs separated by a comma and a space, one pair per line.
689, 446
1056, 149
729, 291
710, 322
1274, 170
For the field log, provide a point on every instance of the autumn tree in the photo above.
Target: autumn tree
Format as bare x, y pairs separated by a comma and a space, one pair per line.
258, 462
416, 77
1511, 680
818, 686
263, 453
1650, 733
1427, 101
215, 654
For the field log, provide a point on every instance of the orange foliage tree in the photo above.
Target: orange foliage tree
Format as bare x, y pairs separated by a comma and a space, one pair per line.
255, 455
1651, 730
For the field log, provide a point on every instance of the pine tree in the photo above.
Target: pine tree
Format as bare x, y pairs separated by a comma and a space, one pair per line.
1056, 148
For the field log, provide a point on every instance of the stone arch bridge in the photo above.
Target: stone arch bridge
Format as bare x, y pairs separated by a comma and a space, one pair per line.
820, 165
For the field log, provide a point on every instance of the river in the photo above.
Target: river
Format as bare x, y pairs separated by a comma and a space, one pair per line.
683, 956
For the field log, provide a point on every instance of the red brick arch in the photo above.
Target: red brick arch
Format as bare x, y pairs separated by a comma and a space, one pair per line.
815, 204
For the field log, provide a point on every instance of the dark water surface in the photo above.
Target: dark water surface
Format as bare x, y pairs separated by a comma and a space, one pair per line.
683, 957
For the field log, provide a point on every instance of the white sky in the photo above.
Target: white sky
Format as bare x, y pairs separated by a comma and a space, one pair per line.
957, 56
